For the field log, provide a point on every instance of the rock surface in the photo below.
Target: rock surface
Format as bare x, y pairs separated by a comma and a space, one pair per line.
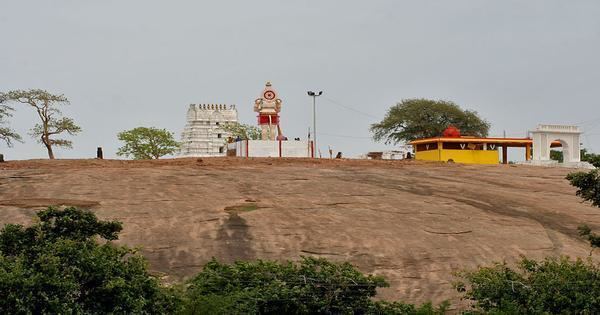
414, 223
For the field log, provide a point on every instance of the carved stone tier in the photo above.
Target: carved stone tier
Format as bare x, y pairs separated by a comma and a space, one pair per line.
202, 135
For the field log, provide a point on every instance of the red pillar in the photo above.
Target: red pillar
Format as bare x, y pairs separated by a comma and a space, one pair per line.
504, 154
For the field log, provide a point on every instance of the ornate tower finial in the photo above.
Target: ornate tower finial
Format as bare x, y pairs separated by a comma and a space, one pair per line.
268, 83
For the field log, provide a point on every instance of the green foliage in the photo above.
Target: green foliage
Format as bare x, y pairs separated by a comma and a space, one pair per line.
592, 158
51, 121
7, 134
56, 266
556, 156
243, 131
144, 143
399, 308
56, 126
314, 286
588, 185
593, 238
421, 118
552, 286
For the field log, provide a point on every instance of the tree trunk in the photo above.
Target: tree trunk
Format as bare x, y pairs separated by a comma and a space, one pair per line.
50, 153
46, 142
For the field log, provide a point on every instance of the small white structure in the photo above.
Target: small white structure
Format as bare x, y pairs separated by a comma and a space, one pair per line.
568, 136
202, 135
393, 155
268, 148
401, 153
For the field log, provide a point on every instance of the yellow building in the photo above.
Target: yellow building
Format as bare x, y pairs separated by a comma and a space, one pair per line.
470, 150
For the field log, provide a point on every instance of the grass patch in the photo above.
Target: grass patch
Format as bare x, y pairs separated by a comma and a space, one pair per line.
242, 208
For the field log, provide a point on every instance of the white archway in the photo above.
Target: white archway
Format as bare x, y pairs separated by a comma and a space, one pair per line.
568, 136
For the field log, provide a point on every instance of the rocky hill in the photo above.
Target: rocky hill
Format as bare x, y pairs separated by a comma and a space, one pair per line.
415, 223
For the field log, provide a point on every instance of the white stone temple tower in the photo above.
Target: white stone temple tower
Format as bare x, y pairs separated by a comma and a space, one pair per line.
202, 135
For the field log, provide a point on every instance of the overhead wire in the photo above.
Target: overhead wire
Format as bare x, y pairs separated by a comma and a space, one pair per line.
332, 101
343, 136
349, 108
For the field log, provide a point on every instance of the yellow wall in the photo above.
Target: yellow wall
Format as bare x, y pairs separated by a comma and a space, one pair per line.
431, 155
460, 156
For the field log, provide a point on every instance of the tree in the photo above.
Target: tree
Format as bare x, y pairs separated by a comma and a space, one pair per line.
52, 122
588, 185
421, 118
310, 286
57, 266
243, 131
7, 134
552, 286
144, 143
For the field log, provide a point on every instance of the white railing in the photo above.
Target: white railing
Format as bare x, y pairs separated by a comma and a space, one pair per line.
558, 128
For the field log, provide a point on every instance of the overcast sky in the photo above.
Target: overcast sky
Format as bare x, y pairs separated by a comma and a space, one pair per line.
125, 64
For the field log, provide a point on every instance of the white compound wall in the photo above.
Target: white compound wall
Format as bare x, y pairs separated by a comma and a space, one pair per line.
267, 148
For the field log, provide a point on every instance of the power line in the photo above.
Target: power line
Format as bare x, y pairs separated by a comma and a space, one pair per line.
349, 108
343, 136
587, 121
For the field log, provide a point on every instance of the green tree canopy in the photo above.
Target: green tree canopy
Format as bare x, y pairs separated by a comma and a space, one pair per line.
588, 185
552, 286
56, 266
310, 286
243, 131
144, 143
52, 122
421, 118
7, 134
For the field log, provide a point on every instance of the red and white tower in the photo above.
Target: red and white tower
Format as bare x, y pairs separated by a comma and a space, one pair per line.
268, 106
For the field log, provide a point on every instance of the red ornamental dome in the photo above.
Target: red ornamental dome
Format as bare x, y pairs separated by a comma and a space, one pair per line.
451, 132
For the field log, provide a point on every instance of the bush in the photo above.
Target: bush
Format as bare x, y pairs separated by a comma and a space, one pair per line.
57, 266
552, 286
588, 185
311, 286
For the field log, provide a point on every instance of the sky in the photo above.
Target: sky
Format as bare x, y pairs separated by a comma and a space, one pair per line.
125, 64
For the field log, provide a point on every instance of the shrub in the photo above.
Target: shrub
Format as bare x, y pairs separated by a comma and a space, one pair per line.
57, 266
311, 286
551, 286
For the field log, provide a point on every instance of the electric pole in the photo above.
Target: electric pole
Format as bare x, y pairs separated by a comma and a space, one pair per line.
314, 96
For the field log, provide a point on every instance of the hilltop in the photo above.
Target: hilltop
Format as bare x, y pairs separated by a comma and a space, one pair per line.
412, 222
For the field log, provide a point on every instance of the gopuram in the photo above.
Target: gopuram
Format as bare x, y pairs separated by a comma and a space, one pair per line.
268, 106
202, 135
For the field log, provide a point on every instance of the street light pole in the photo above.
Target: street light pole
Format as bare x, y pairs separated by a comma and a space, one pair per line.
314, 96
